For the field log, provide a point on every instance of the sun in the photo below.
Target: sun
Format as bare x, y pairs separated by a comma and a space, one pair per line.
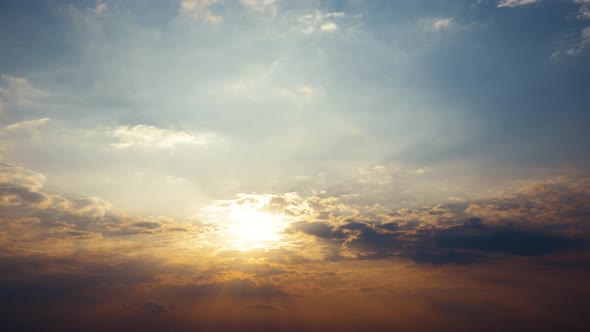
246, 223
250, 228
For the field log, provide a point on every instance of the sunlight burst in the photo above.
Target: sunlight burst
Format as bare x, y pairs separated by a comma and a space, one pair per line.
254, 229
246, 223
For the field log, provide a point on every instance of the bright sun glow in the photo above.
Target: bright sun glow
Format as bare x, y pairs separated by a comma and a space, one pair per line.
250, 228
246, 223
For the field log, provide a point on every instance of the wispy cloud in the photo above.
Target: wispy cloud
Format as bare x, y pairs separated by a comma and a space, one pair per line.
149, 136
101, 8
261, 6
31, 124
199, 10
582, 44
18, 92
515, 3
319, 21
440, 23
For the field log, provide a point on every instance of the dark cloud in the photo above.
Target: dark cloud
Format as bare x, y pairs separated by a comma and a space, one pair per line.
264, 307
503, 239
147, 224
317, 229
371, 237
14, 195
466, 243
154, 308
437, 258
235, 288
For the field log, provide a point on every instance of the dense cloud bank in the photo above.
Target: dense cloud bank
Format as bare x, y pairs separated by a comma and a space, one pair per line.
67, 261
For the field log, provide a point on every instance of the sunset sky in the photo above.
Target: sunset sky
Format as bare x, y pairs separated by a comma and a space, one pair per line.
294, 165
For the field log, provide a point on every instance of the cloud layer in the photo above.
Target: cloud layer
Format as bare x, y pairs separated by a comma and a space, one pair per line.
205, 165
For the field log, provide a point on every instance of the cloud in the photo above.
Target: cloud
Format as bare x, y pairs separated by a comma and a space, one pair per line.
554, 201
100, 8
440, 23
584, 12
582, 44
237, 288
149, 136
515, 3
25, 125
32, 216
535, 219
261, 6
317, 229
503, 239
20, 176
154, 308
539, 218
199, 10
18, 92
319, 21
442, 257
330, 26
79, 255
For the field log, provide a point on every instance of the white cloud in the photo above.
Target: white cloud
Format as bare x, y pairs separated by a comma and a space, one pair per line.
303, 93
515, 3
19, 132
261, 6
199, 10
264, 84
319, 21
440, 23
148, 136
584, 42
584, 12
330, 26
31, 124
100, 8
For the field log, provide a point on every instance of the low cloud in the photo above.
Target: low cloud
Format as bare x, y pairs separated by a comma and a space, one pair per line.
82, 254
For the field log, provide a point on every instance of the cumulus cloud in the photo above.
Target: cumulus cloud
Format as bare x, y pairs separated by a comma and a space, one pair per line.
149, 136
330, 26
30, 215
554, 201
159, 267
21, 176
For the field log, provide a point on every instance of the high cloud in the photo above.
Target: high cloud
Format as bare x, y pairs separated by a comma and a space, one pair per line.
441, 23
515, 3
200, 10
319, 21
149, 136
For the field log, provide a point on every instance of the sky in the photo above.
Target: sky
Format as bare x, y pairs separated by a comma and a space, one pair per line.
238, 165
